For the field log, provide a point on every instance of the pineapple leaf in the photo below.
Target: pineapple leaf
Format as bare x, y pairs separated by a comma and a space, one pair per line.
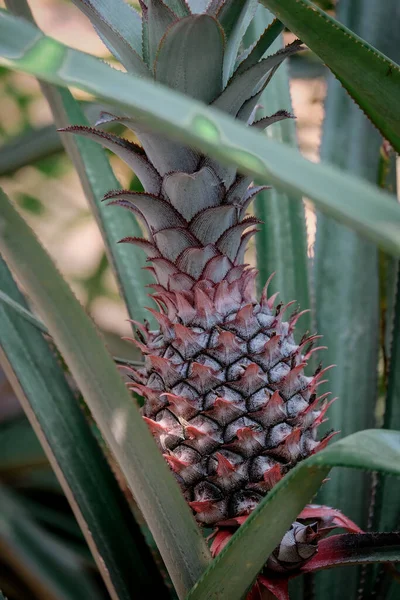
132, 154
235, 17
47, 563
354, 549
119, 26
227, 576
22, 311
260, 47
181, 186
167, 156
29, 147
210, 224
190, 57
159, 18
349, 199
176, 534
157, 213
281, 244
245, 85
99, 505
371, 79
351, 142
280, 115
179, 7
97, 178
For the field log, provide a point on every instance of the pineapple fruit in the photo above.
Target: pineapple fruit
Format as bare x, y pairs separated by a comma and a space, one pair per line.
226, 396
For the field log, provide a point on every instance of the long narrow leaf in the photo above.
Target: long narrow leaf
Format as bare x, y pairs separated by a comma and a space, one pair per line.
387, 509
346, 282
282, 242
156, 492
229, 576
97, 178
28, 148
120, 28
346, 198
100, 507
371, 79
51, 569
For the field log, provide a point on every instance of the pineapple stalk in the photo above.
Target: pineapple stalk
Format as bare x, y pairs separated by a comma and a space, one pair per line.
226, 396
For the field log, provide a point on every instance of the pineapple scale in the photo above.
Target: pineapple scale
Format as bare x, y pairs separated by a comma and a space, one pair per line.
227, 399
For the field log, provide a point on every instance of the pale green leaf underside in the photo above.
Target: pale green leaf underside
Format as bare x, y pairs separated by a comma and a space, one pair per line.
229, 576
156, 492
348, 199
371, 79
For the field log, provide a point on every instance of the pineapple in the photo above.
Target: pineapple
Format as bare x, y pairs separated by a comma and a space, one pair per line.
226, 396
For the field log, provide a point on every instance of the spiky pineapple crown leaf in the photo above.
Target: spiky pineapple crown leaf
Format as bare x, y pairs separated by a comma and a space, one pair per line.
193, 208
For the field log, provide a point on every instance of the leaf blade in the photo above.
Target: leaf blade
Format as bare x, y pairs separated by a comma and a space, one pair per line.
157, 494
50, 567
100, 507
262, 531
347, 285
370, 77
97, 178
282, 242
208, 130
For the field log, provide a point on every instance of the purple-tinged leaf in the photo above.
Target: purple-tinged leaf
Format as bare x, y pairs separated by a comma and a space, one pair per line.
265, 122
172, 242
157, 213
132, 154
209, 224
354, 549
190, 193
164, 154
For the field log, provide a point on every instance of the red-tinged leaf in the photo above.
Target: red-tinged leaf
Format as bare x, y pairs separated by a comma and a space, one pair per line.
354, 549
278, 587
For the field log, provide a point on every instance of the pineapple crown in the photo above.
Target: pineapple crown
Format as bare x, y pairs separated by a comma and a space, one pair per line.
193, 208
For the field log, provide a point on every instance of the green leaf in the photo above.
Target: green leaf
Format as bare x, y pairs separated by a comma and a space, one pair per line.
371, 79
97, 178
49, 566
179, 7
282, 242
260, 41
386, 508
158, 496
158, 18
78, 461
25, 313
120, 28
21, 457
392, 409
229, 576
190, 57
348, 199
235, 17
347, 285
28, 148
